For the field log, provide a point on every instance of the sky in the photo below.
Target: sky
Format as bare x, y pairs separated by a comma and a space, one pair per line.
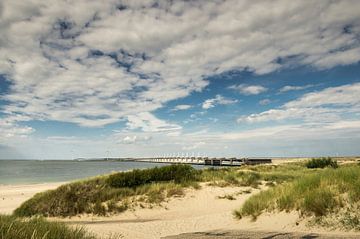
152, 78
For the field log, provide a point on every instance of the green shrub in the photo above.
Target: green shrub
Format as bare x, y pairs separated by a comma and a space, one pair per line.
38, 228
177, 173
321, 163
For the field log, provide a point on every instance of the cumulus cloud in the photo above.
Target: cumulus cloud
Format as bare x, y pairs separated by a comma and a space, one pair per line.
248, 89
181, 107
331, 104
9, 128
265, 102
299, 132
96, 63
135, 139
218, 100
196, 145
292, 88
149, 123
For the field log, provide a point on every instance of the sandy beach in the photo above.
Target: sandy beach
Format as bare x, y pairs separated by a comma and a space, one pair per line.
11, 196
200, 210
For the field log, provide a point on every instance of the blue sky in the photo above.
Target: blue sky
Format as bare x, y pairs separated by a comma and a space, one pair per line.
148, 78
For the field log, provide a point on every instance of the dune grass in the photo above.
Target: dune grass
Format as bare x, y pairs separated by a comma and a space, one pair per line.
107, 194
321, 163
319, 193
177, 173
117, 192
252, 176
38, 228
313, 191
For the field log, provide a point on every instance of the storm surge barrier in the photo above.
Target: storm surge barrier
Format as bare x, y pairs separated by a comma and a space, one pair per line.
207, 161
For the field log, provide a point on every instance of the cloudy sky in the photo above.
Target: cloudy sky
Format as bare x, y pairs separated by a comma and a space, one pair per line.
146, 78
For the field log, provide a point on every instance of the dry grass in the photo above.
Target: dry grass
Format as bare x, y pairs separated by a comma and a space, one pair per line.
38, 228
321, 193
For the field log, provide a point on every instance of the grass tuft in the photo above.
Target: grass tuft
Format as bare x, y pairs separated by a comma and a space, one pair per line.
38, 228
322, 163
320, 193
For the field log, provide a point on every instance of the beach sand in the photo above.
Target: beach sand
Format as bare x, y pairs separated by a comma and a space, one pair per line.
11, 196
198, 211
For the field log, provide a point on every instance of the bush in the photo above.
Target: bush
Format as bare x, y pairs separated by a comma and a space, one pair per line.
321, 163
37, 228
177, 173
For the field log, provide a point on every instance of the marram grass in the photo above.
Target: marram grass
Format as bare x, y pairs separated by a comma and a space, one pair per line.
38, 228
115, 193
111, 193
319, 193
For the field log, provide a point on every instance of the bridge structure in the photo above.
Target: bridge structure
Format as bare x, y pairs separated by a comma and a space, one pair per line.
199, 160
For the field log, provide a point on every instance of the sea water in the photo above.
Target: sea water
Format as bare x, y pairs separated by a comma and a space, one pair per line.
43, 171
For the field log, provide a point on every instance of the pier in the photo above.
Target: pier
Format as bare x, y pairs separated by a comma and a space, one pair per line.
207, 161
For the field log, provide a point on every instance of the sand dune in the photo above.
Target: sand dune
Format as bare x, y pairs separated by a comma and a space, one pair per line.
198, 211
11, 196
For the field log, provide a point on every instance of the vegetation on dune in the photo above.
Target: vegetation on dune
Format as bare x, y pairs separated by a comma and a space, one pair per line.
317, 188
252, 176
110, 194
117, 192
323, 194
322, 163
177, 173
37, 228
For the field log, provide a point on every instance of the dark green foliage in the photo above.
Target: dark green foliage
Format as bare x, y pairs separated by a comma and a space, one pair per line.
177, 173
321, 163
37, 228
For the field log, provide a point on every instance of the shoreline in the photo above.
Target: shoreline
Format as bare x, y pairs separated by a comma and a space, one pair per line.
11, 196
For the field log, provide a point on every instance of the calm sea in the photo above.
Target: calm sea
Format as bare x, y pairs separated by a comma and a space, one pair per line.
33, 171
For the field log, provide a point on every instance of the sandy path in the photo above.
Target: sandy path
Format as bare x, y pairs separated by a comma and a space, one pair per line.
199, 210
11, 196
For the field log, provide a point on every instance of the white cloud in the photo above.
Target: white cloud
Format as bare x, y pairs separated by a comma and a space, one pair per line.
329, 105
218, 100
10, 129
181, 107
194, 146
248, 89
292, 87
141, 63
149, 123
312, 139
135, 139
265, 102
